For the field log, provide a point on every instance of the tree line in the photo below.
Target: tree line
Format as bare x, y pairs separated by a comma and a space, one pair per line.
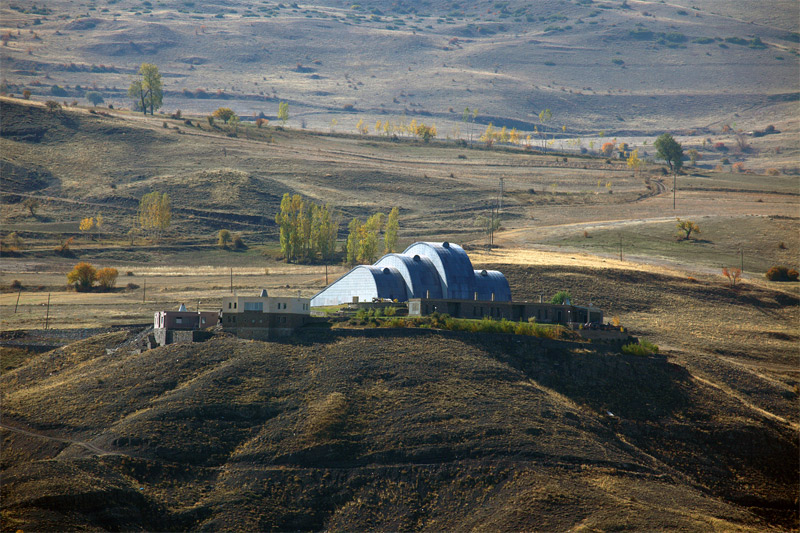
308, 232
363, 240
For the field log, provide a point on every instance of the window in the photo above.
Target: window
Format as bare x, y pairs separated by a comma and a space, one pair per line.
283, 319
179, 320
229, 305
234, 305
254, 306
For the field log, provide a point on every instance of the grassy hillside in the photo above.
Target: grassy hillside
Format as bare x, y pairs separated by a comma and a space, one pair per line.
79, 164
386, 431
637, 66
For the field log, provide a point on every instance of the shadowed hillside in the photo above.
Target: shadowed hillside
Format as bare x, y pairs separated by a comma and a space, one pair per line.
383, 430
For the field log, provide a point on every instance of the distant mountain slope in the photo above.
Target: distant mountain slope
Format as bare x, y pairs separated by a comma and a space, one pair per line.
598, 65
383, 430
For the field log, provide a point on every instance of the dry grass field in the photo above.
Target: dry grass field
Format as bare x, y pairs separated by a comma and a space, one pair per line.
638, 67
388, 431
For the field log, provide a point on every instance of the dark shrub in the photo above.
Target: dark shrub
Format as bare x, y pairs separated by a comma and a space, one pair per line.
782, 273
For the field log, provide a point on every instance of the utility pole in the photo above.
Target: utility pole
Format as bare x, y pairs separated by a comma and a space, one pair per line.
674, 188
144, 291
326, 274
502, 190
620, 246
491, 230
741, 256
231, 280
47, 316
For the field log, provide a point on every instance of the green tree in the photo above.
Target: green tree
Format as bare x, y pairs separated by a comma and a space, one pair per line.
155, 214
670, 150
325, 228
354, 229
287, 222
283, 112
146, 91
95, 98
560, 298
368, 238
224, 239
686, 228
694, 155
225, 114
390, 234
306, 229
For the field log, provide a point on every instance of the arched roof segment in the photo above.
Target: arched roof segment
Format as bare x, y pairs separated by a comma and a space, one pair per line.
419, 272
366, 282
492, 285
453, 265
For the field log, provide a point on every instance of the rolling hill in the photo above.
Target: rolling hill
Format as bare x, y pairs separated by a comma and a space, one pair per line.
384, 430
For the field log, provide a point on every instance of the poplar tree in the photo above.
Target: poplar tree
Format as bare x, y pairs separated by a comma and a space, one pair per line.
368, 238
390, 233
155, 214
306, 229
283, 112
354, 228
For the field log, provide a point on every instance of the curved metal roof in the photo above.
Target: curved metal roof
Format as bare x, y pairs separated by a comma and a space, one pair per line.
492, 285
423, 270
452, 263
366, 282
419, 272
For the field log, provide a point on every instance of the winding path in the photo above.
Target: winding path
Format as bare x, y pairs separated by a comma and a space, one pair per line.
91, 447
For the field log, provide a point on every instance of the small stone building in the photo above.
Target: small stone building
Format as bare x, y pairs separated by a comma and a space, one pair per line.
170, 327
263, 316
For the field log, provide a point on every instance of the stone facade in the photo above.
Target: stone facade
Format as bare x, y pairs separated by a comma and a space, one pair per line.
516, 311
264, 317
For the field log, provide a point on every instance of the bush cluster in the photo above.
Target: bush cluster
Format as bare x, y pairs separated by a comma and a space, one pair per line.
782, 273
643, 348
375, 318
84, 276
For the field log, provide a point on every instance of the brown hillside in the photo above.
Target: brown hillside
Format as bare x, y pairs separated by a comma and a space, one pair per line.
384, 430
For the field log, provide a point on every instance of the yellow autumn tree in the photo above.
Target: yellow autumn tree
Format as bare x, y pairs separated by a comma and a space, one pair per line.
155, 214
634, 163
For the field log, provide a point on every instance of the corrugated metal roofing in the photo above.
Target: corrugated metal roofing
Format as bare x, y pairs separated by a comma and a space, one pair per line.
423, 270
419, 273
453, 264
492, 285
